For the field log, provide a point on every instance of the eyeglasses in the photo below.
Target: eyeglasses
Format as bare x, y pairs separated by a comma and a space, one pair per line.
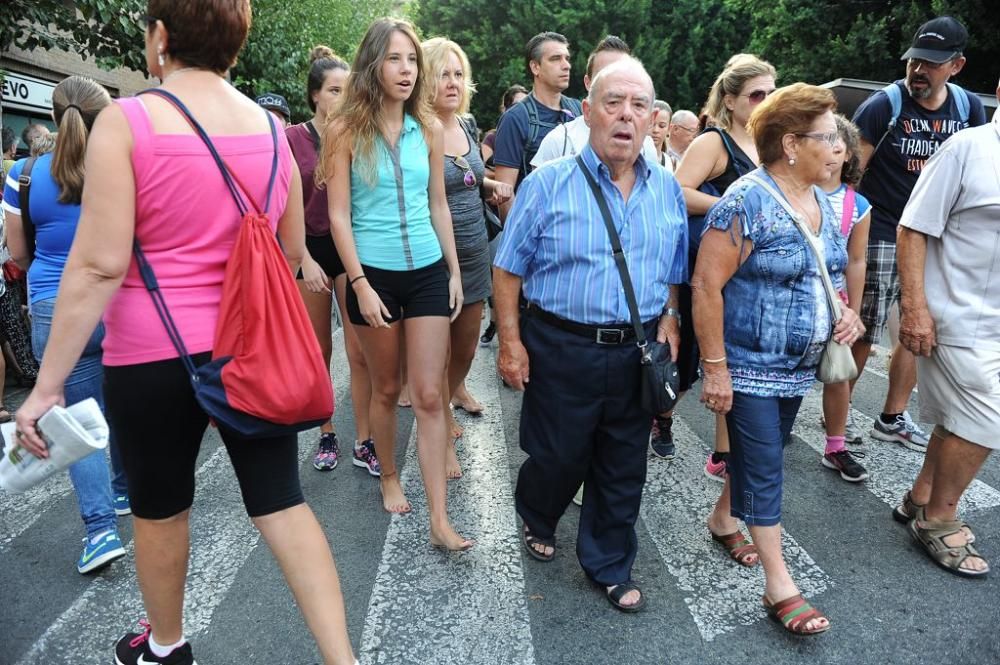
830, 138
757, 96
463, 164
688, 130
926, 65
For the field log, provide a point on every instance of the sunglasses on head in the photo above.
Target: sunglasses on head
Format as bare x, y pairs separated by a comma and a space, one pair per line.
757, 96
463, 164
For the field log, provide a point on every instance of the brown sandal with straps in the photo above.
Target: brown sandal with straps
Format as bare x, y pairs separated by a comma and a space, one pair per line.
907, 510
930, 534
739, 548
794, 614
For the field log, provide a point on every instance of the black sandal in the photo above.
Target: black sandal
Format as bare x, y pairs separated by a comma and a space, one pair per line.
617, 592
529, 539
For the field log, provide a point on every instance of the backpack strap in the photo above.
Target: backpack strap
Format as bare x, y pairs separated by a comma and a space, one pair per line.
24, 198
531, 106
314, 135
961, 97
847, 214
895, 96
230, 177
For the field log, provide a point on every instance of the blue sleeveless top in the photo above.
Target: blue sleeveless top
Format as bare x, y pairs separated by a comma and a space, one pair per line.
392, 220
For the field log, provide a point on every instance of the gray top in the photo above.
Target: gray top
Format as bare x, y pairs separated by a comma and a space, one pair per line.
464, 200
956, 202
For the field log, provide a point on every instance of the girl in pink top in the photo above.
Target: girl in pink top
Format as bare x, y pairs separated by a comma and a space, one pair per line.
149, 177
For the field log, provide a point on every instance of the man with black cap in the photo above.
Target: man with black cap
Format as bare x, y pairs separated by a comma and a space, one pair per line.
277, 105
902, 126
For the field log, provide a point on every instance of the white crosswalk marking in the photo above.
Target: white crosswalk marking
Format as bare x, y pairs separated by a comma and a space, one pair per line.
892, 467
431, 607
19, 512
720, 594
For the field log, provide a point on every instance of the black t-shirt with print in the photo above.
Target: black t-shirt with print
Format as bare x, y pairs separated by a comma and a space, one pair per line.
894, 169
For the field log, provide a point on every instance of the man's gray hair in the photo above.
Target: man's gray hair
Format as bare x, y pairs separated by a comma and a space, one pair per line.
681, 116
627, 64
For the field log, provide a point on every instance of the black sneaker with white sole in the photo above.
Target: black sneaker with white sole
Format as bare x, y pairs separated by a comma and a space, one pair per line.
133, 649
843, 461
661, 438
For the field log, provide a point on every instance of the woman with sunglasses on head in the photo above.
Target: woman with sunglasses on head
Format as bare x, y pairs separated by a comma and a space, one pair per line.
383, 162
714, 160
322, 273
450, 86
151, 179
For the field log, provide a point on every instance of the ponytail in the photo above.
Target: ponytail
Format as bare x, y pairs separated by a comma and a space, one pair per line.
76, 102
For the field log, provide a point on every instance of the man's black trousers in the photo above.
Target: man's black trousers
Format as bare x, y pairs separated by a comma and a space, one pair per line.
581, 421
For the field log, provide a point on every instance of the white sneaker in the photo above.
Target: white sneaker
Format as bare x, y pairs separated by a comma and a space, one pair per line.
852, 433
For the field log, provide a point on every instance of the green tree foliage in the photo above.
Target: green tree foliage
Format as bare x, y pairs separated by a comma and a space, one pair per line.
108, 30
276, 56
817, 41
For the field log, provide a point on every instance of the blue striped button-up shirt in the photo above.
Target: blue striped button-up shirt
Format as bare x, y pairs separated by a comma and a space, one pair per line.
556, 241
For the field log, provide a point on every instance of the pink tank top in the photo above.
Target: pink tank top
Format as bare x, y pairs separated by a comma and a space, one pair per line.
187, 222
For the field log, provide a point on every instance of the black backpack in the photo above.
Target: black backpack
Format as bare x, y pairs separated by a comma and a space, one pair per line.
24, 193
532, 141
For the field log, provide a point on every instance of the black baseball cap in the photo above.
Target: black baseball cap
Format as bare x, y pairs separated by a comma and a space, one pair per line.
275, 102
939, 40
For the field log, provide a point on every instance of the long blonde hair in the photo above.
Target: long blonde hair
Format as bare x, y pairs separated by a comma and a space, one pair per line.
436, 52
358, 114
76, 101
739, 69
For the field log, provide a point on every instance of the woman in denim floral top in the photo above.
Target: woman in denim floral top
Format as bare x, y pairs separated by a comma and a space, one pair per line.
762, 317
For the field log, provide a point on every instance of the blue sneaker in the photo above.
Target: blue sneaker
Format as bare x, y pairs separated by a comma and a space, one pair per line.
100, 551
121, 504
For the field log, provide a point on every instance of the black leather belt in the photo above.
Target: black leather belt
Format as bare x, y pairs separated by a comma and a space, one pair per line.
609, 335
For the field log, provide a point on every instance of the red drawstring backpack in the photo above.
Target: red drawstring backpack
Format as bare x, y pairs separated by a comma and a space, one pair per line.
267, 376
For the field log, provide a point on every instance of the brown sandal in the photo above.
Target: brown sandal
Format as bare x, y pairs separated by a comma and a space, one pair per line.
907, 510
930, 534
794, 613
739, 548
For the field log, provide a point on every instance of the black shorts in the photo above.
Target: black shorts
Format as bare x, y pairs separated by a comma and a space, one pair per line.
158, 428
407, 294
324, 252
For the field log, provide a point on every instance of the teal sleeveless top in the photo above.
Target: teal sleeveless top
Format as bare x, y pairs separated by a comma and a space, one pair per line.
392, 220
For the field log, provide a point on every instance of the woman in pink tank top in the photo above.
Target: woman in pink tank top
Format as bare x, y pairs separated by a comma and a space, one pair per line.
149, 177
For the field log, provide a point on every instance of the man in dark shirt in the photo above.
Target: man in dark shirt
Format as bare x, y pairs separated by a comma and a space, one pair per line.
894, 153
517, 141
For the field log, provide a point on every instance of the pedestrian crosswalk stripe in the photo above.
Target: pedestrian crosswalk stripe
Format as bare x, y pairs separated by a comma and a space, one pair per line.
891, 467
720, 594
19, 512
431, 607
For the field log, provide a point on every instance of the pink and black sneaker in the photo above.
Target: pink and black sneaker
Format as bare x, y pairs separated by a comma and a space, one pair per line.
133, 649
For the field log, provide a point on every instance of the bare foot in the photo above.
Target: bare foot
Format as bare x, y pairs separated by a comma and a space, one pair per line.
393, 499
404, 398
445, 537
463, 400
456, 430
452, 466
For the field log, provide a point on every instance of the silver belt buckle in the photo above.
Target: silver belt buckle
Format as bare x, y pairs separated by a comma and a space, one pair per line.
610, 336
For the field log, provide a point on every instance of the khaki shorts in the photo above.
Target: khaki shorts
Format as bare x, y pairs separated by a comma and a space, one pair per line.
960, 391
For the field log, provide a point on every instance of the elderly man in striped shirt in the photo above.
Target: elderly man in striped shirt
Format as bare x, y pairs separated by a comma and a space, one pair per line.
572, 348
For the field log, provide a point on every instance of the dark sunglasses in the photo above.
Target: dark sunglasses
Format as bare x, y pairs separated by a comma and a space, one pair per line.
463, 164
757, 96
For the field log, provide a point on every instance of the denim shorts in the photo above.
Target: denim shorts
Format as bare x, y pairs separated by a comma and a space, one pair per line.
759, 428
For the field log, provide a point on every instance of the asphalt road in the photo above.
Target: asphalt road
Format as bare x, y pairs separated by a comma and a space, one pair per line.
408, 603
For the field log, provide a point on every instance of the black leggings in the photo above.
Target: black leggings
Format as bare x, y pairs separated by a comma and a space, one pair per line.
159, 426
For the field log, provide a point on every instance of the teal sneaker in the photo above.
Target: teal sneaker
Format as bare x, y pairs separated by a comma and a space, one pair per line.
100, 551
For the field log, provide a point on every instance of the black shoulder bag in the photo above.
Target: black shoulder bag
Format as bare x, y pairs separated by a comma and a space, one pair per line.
24, 194
660, 381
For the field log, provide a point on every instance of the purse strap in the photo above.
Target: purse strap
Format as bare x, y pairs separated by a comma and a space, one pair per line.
619, 254
831, 293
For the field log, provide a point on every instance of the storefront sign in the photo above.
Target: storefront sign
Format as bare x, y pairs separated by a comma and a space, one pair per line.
26, 93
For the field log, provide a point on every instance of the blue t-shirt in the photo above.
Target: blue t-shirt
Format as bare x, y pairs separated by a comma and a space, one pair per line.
894, 169
55, 226
513, 132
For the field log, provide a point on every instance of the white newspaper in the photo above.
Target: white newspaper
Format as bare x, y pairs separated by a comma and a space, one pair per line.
71, 433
